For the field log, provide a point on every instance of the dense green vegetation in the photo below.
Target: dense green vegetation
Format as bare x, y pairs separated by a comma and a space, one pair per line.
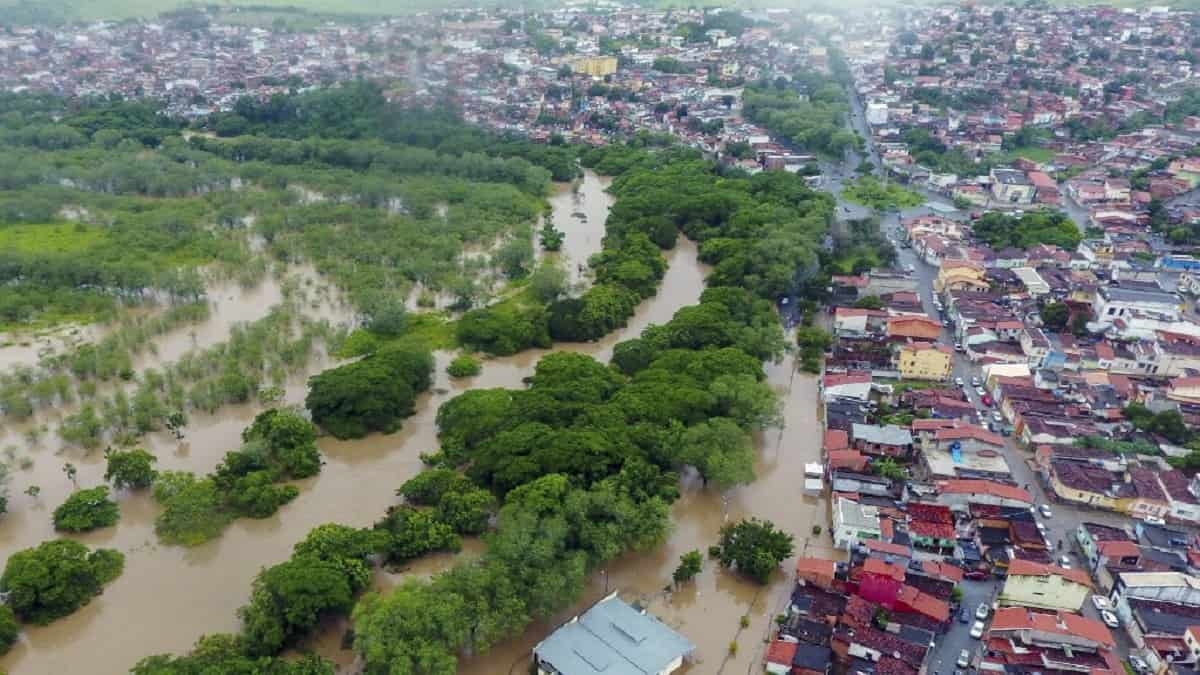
86, 510
464, 365
372, 394
130, 469
9, 629
1039, 227
56, 578
581, 466
868, 191
279, 445
809, 112
754, 547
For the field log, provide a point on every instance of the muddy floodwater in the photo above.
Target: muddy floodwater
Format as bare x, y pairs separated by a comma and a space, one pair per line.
169, 596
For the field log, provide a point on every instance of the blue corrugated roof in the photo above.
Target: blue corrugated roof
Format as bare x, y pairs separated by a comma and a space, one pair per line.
612, 638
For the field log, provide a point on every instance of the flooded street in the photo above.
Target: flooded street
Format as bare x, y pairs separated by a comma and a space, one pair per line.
170, 596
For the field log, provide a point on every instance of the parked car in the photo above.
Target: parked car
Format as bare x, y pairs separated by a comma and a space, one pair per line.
1109, 619
1045, 509
1154, 520
981, 612
958, 347
1138, 664
964, 659
963, 615
986, 399
997, 417
1101, 602
958, 381
1064, 562
975, 575
979, 391
977, 630
975, 381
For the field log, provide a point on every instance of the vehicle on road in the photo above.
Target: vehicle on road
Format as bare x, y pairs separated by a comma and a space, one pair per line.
963, 615
1045, 509
986, 399
964, 659
1154, 520
981, 612
977, 630
1109, 619
1101, 602
975, 575
997, 417
958, 347
1138, 664
979, 391
975, 381
1064, 562
958, 381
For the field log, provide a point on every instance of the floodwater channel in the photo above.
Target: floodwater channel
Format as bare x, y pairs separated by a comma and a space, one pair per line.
169, 596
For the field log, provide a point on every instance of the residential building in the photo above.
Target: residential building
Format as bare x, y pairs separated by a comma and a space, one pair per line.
925, 361
853, 523
1045, 586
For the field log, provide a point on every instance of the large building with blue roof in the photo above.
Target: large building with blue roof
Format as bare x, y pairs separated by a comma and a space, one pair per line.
612, 638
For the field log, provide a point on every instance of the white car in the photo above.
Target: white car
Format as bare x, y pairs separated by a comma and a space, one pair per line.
977, 630
1101, 603
1154, 520
958, 381
1045, 509
1064, 562
964, 659
1109, 619
997, 417
981, 612
979, 391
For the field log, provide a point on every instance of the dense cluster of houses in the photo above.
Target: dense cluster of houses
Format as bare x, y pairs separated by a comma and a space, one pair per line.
1072, 106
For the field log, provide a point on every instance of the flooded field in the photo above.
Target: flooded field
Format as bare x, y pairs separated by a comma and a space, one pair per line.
169, 596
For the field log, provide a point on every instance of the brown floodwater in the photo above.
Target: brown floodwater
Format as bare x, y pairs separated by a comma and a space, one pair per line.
169, 596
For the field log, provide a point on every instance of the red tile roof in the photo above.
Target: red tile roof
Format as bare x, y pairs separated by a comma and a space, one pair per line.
1118, 549
887, 547
923, 528
838, 379
836, 439
883, 569
782, 653
987, 487
847, 459
815, 567
923, 603
1058, 623
943, 570
1028, 568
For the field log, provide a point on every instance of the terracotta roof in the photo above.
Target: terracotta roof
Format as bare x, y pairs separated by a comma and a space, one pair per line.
986, 487
972, 431
1118, 549
884, 569
1059, 623
838, 379
816, 566
923, 603
1028, 568
836, 439
782, 652
923, 528
847, 459
943, 570
887, 547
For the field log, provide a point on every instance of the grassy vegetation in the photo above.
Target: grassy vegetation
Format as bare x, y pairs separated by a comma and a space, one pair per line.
49, 238
870, 192
1033, 154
